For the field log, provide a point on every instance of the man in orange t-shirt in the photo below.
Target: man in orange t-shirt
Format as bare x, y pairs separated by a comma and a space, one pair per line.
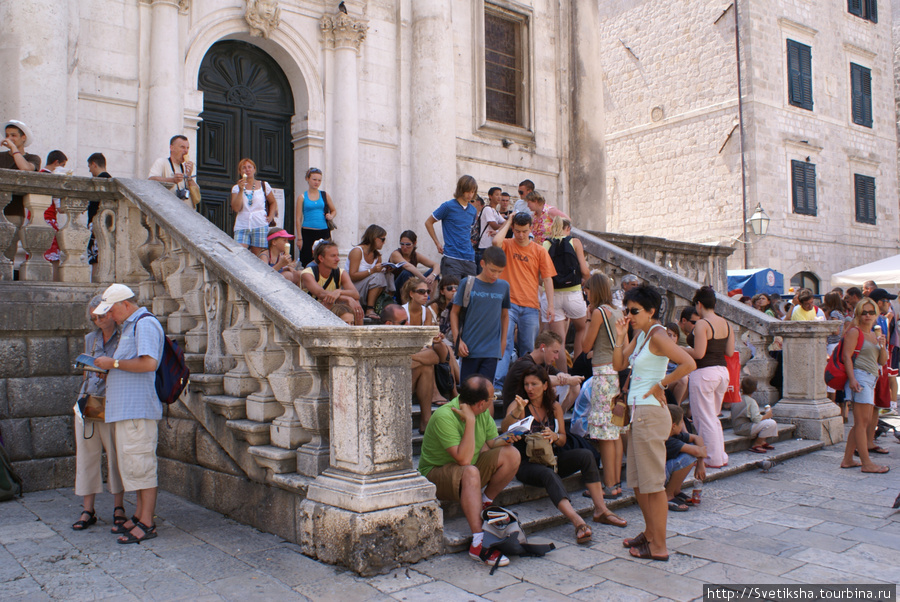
527, 264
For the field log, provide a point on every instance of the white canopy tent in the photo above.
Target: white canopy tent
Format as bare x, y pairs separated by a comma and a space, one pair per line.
885, 273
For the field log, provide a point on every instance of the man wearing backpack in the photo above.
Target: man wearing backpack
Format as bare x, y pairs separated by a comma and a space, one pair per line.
133, 404
325, 281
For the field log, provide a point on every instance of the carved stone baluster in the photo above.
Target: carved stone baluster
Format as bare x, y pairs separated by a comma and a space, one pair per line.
7, 235
240, 338
152, 249
288, 383
37, 236
104, 229
73, 239
762, 368
162, 302
216, 361
185, 279
262, 361
312, 408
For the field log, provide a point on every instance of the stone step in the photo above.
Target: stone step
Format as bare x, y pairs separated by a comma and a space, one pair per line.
276, 459
735, 443
292, 482
539, 514
254, 433
232, 408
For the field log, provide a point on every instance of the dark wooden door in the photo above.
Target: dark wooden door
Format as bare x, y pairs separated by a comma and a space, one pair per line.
247, 110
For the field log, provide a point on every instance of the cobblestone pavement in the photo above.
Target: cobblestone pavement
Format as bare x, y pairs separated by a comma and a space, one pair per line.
805, 521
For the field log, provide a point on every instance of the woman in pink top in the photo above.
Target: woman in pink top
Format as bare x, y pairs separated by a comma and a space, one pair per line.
543, 215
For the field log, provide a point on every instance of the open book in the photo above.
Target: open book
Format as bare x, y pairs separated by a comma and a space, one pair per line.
520, 427
86, 362
393, 266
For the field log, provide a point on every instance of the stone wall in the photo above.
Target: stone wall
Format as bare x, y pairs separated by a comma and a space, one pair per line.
673, 141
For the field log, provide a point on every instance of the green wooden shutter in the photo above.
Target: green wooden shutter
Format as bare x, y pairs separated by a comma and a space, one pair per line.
865, 198
861, 94
855, 7
799, 75
809, 181
871, 10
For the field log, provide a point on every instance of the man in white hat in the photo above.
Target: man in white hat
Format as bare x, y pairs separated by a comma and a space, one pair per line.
133, 405
18, 136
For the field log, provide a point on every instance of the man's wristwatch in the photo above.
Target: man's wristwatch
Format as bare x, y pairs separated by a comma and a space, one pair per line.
116, 364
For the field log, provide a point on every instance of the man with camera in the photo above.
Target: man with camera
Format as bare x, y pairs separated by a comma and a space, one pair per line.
175, 171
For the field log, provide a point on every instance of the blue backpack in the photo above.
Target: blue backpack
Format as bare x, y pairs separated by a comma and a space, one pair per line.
172, 373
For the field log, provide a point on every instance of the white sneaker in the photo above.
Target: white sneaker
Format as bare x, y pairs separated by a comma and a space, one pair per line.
487, 557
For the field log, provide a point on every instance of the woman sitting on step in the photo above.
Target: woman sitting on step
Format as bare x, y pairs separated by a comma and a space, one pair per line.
537, 470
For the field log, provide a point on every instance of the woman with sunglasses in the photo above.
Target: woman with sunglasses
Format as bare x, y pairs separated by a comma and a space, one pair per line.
254, 203
415, 295
366, 270
442, 303
648, 354
408, 254
312, 210
862, 372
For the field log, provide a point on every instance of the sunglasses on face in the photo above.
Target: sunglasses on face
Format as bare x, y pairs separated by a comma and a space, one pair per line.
406, 244
450, 288
421, 291
633, 310
382, 238
867, 313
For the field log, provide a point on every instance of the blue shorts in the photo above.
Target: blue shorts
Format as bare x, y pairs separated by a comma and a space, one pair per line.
255, 237
867, 395
682, 460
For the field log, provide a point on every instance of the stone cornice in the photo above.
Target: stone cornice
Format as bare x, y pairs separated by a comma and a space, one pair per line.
343, 31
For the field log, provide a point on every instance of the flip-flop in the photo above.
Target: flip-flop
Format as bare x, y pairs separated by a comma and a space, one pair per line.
758, 449
881, 470
643, 551
768, 446
580, 536
684, 499
676, 506
879, 450
608, 518
851, 466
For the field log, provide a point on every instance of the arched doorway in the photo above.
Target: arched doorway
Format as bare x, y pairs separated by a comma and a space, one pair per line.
247, 110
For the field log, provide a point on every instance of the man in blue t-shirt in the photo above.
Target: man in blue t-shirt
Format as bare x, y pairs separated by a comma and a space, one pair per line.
481, 339
456, 216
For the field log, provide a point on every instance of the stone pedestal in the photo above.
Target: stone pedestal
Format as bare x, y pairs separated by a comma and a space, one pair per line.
370, 510
804, 402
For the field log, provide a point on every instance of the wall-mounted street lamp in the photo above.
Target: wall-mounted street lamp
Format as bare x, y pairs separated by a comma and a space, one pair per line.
759, 221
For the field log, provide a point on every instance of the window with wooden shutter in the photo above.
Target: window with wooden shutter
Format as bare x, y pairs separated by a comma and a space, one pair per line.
803, 186
865, 9
503, 73
861, 94
799, 58
865, 198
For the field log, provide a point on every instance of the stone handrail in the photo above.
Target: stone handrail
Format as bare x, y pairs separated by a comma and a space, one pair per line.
294, 398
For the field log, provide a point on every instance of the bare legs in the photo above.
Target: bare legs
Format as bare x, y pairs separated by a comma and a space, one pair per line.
654, 507
470, 487
611, 456
857, 439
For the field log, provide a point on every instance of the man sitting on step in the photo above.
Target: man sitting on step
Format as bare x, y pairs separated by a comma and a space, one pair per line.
464, 457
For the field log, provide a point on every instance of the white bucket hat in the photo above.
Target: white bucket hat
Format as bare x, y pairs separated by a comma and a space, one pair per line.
25, 130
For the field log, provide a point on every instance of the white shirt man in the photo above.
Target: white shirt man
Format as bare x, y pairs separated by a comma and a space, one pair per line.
175, 171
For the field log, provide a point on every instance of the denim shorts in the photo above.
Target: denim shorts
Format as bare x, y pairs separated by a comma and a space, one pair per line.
867, 395
682, 460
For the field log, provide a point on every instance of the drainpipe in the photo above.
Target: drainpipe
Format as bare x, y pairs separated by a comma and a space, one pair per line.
737, 52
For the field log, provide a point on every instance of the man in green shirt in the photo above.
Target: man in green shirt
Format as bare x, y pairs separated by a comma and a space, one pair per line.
461, 454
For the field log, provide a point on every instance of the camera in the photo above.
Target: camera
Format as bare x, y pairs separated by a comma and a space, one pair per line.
181, 193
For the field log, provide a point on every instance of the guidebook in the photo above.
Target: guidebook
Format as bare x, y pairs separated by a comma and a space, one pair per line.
86, 362
520, 427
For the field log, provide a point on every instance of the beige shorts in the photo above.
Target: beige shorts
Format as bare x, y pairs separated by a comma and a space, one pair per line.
136, 449
566, 305
448, 478
650, 427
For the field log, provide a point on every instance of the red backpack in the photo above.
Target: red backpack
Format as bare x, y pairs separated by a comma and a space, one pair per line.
835, 371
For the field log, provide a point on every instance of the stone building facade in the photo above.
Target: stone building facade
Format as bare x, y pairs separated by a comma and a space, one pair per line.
389, 98
674, 128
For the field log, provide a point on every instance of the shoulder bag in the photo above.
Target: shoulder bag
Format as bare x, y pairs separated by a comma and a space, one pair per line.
619, 403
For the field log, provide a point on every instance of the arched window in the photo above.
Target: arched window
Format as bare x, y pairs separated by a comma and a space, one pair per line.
805, 280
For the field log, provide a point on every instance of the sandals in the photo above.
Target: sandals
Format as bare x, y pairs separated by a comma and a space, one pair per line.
608, 518
878, 470
758, 449
612, 492
583, 533
129, 537
768, 446
82, 524
875, 450
683, 498
121, 529
676, 506
119, 520
643, 551
640, 540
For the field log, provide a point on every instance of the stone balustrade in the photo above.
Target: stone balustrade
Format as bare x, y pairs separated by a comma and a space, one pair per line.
803, 401
313, 415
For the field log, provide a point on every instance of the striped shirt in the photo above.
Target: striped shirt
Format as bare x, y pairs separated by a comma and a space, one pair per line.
133, 394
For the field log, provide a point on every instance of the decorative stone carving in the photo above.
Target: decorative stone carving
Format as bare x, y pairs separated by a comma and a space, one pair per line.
104, 228
7, 235
37, 236
263, 16
181, 283
288, 383
262, 361
241, 337
762, 368
152, 249
343, 31
73, 239
215, 304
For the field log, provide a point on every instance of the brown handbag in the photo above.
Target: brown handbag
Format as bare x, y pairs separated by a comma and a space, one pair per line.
621, 416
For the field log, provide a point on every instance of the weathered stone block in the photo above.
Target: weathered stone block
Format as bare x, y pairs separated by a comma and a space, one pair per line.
4, 400
211, 455
371, 542
49, 356
17, 438
48, 473
176, 440
54, 436
13, 358
42, 396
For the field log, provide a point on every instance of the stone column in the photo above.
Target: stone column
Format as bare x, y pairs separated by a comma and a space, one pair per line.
433, 113
370, 510
804, 401
7, 234
344, 35
36, 236
587, 158
166, 98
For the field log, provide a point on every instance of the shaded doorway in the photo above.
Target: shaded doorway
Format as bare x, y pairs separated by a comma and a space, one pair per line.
247, 110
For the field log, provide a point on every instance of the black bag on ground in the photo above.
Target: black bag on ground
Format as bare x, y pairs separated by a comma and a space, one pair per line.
503, 532
10, 483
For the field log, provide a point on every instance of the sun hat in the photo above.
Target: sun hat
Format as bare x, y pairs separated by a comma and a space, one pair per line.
111, 296
280, 234
25, 130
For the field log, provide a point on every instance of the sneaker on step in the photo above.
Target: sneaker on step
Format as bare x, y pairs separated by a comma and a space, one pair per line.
488, 557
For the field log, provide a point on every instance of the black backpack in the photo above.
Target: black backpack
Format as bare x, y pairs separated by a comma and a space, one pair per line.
172, 373
335, 277
568, 271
